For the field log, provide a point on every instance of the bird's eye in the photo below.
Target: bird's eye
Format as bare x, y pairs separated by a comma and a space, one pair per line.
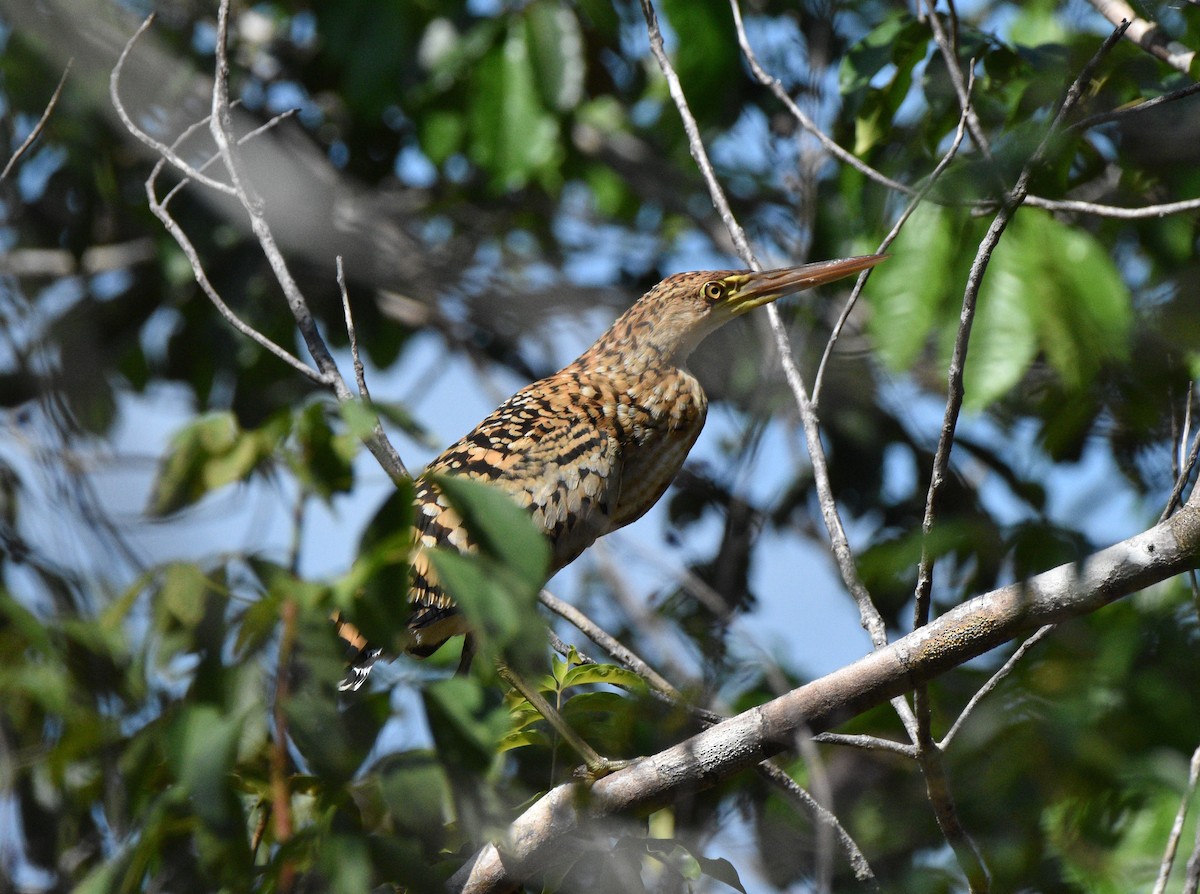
713, 291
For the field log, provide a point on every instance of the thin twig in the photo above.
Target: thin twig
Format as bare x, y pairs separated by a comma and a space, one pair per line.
1187, 464
983, 256
1142, 212
1191, 879
695, 144
220, 125
162, 149
993, 682
914, 202
773, 84
231, 317
214, 297
947, 47
870, 617
1172, 848
158, 209
1147, 34
360, 376
1144, 105
867, 743
796, 793
40, 126
213, 159
609, 643
929, 755
378, 437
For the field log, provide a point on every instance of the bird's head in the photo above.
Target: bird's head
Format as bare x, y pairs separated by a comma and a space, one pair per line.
680, 311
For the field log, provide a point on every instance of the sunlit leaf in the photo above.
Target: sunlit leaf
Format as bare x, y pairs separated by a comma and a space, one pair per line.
556, 51
583, 674
512, 135
208, 454
500, 527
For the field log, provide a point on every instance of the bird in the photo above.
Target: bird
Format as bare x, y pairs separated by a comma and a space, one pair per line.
592, 447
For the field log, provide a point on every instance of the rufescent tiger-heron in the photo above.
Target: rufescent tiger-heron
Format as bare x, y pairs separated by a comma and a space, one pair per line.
589, 449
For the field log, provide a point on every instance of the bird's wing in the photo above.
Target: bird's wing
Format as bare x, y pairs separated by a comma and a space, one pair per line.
554, 453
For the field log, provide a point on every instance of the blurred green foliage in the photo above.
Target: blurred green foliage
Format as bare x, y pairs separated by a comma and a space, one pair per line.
491, 160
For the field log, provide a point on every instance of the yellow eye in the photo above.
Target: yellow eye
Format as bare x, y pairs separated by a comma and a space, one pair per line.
713, 291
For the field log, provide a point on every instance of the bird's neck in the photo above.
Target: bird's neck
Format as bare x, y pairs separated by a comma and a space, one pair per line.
637, 347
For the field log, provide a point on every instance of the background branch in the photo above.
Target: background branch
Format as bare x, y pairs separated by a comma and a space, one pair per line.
970, 629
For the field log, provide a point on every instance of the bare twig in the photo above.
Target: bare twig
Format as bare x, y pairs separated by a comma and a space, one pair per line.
958, 356
40, 126
1142, 212
219, 122
796, 793
992, 683
1147, 34
914, 202
947, 46
189, 250
929, 755
867, 743
772, 83
960, 634
1168, 860
1186, 463
162, 149
219, 126
695, 144
213, 159
159, 209
871, 620
360, 376
609, 644
1130, 110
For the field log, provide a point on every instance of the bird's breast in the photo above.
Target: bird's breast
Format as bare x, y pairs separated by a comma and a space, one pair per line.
659, 419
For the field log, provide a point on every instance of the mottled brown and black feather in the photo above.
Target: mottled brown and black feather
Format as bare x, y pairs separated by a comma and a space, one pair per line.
592, 447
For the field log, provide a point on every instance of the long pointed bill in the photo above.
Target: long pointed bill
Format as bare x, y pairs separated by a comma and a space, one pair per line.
746, 291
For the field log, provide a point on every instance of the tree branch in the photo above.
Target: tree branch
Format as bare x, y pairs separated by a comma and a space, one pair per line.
38, 127
1147, 35
872, 622
965, 632
831, 146
220, 127
1168, 860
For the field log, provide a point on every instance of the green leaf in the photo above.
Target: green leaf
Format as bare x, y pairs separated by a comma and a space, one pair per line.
1052, 289
208, 454
499, 605
1003, 337
334, 738
183, 594
326, 459
441, 134
415, 789
723, 871
583, 674
513, 137
556, 51
500, 527
346, 861
907, 293
466, 726
202, 745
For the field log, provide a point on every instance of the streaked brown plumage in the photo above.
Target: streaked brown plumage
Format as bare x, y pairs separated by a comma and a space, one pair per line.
592, 447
